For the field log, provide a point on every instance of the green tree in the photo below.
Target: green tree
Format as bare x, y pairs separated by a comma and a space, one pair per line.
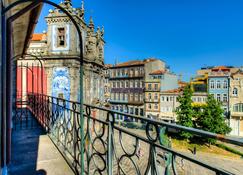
185, 111
212, 118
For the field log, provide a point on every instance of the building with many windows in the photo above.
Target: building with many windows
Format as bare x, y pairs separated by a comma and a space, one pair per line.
236, 103
158, 81
218, 86
169, 102
127, 84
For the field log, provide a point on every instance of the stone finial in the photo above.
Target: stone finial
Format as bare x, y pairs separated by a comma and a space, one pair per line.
82, 9
91, 24
102, 31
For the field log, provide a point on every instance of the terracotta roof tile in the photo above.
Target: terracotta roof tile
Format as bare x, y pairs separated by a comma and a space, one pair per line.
38, 36
135, 62
158, 72
178, 90
223, 68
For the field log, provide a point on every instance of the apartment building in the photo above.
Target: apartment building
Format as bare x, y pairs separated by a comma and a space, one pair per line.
169, 102
127, 85
218, 86
158, 81
236, 103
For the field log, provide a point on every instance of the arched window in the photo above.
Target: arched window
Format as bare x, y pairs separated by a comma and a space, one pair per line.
235, 91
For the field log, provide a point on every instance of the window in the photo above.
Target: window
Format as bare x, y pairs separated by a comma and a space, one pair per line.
136, 97
123, 84
118, 84
123, 72
126, 96
149, 86
238, 107
212, 86
123, 97
235, 92
156, 106
218, 85
199, 99
131, 110
136, 111
149, 106
61, 40
225, 98
141, 112
131, 84
171, 98
149, 96
162, 98
141, 84
156, 96
167, 98
127, 84
218, 97
131, 97
137, 84
156, 87
121, 109
225, 84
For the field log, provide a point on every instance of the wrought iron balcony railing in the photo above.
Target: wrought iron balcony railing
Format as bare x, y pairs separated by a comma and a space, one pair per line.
112, 147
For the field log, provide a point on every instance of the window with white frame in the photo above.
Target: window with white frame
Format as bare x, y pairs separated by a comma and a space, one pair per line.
137, 84
131, 84
127, 84
225, 84
218, 84
155, 96
218, 98
225, 98
156, 87
149, 86
162, 98
235, 92
156, 106
149, 96
211, 84
238, 107
126, 96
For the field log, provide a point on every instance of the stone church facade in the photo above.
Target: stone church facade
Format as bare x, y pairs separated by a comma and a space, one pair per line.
59, 48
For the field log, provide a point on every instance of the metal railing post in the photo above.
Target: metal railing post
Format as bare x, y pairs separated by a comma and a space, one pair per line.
110, 143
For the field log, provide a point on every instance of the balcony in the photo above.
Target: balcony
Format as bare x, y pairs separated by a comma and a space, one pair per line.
98, 143
127, 76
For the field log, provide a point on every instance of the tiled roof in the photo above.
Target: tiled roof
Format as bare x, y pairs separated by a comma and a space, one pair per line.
237, 72
37, 36
108, 65
135, 62
182, 83
223, 68
158, 72
178, 90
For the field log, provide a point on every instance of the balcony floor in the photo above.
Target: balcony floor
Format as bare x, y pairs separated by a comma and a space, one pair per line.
34, 153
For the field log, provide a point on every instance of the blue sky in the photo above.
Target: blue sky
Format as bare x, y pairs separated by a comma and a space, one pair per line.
187, 34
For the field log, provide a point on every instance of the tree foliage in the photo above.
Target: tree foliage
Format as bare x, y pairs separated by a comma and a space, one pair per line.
212, 118
185, 111
208, 117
